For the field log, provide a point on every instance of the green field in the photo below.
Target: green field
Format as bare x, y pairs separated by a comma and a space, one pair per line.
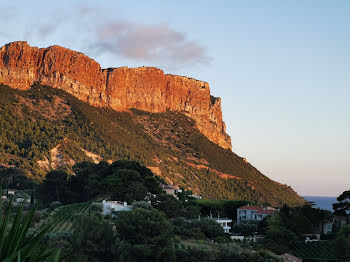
62, 218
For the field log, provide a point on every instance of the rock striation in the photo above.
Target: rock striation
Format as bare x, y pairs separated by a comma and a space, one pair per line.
143, 88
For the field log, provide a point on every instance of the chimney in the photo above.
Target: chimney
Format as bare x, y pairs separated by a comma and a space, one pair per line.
125, 204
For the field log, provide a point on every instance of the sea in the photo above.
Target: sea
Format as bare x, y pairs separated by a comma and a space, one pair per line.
322, 202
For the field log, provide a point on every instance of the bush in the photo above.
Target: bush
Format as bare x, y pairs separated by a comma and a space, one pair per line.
92, 236
196, 233
192, 212
169, 205
145, 235
37, 216
107, 216
209, 227
142, 204
245, 228
220, 239
54, 205
96, 207
44, 214
59, 235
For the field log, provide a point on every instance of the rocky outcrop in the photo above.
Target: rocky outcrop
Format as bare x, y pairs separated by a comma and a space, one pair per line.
144, 88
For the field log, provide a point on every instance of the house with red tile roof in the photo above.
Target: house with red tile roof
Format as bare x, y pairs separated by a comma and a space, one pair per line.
251, 212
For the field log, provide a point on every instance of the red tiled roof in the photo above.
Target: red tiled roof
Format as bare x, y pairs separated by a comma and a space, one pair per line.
268, 212
168, 186
252, 207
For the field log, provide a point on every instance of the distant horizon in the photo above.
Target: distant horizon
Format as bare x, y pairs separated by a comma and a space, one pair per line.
322, 202
321, 196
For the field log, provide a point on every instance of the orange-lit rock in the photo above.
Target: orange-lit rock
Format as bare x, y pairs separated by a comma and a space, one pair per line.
144, 88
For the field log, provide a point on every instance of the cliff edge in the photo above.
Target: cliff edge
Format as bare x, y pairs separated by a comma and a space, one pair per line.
144, 88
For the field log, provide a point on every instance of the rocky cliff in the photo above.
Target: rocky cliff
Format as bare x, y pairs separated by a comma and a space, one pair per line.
144, 88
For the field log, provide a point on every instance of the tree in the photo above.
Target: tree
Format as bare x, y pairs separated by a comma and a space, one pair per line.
96, 207
54, 187
15, 178
192, 212
92, 236
125, 185
343, 243
343, 205
82, 186
278, 237
209, 227
142, 204
169, 205
245, 228
300, 224
145, 235
185, 195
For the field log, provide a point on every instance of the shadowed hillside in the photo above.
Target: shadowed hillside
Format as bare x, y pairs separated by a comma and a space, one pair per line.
45, 128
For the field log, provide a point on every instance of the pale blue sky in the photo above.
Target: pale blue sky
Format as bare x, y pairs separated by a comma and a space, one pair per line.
281, 68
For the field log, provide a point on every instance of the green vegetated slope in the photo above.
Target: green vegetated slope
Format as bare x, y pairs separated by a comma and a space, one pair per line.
315, 251
45, 128
63, 217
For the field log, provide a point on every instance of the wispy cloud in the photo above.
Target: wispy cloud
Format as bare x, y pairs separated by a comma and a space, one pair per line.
155, 43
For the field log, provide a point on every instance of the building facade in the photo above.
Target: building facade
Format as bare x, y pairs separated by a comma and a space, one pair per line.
250, 212
224, 223
114, 206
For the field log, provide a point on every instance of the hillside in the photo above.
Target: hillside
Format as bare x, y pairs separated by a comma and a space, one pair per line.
44, 128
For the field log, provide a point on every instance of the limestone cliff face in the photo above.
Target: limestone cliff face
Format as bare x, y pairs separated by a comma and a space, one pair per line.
144, 88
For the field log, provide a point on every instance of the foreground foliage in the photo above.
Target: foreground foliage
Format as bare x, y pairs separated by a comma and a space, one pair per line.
15, 244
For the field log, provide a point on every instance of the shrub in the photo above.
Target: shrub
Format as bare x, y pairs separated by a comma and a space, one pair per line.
209, 227
196, 233
142, 204
44, 214
220, 239
192, 212
96, 207
245, 228
36, 216
54, 205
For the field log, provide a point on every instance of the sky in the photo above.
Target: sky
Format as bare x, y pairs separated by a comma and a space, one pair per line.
281, 68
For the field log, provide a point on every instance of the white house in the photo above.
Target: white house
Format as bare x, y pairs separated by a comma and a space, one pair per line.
22, 199
169, 189
112, 206
250, 212
224, 223
239, 238
11, 192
